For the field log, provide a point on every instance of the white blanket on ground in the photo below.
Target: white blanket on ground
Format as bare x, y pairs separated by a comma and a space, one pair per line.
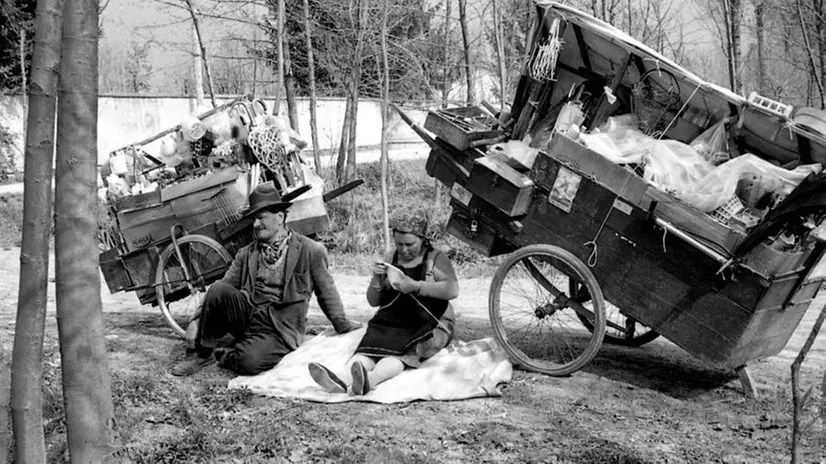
462, 370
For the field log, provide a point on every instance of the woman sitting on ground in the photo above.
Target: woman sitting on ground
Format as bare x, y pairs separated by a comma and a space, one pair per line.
414, 320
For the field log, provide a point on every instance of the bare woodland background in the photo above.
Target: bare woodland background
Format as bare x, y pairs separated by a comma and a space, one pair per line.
439, 51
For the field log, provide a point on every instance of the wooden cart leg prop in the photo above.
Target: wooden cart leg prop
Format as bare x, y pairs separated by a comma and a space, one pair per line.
746, 381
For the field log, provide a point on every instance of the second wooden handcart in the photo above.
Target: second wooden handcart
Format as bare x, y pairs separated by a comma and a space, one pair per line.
595, 251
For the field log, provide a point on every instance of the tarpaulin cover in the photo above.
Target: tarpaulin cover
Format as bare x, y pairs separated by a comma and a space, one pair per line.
678, 168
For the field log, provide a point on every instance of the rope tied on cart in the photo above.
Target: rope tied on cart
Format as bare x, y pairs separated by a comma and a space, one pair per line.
593, 258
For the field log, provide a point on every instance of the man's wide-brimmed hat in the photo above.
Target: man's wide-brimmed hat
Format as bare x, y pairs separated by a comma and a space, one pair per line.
266, 196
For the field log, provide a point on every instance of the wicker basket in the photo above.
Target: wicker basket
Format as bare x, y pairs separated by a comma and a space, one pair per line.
728, 210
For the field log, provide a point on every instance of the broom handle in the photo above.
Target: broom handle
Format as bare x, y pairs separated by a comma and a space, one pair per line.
418, 130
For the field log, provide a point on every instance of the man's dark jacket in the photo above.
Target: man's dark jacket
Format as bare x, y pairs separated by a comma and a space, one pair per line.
304, 272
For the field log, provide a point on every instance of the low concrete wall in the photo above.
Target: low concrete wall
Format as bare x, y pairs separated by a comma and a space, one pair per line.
126, 120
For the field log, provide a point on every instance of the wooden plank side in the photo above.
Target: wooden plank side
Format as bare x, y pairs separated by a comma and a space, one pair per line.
196, 185
138, 217
144, 235
140, 201
618, 179
114, 272
141, 266
693, 221
197, 208
626, 270
767, 334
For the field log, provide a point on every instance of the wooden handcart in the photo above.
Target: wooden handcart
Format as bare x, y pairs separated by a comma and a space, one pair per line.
168, 245
594, 252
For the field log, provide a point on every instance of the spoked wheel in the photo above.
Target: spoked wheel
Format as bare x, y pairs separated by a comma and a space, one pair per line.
619, 328
534, 317
181, 279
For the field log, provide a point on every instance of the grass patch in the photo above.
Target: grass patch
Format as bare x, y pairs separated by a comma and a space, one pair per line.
11, 220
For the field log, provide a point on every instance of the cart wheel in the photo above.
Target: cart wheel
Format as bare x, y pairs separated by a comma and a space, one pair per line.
206, 261
619, 328
535, 320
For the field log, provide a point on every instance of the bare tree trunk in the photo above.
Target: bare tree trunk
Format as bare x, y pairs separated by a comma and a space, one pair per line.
385, 104
820, 29
355, 82
471, 92
446, 64
500, 55
22, 60
351, 141
5, 412
197, 69
810, 53
437, 189
279, 75
289, 88
341, 162
313, 99
731, 15
203, 51
87, 395
254, 83
27, 405
797, 402
759, 17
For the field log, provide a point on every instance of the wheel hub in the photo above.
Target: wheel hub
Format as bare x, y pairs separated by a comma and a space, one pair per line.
550, 308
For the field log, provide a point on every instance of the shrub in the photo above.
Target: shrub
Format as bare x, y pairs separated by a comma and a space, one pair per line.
7, 149
356, 218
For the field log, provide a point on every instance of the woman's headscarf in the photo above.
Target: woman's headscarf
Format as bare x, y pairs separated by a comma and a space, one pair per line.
411, 221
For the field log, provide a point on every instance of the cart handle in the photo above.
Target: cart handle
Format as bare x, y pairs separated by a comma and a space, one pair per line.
708, 251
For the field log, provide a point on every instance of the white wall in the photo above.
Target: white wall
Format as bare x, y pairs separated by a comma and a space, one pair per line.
126, 120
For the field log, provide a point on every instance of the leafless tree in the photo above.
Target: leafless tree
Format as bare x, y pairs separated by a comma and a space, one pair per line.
202, 48
27, 409
798, 401
308, 32
463, 23
500, 54
385, 107
87, 396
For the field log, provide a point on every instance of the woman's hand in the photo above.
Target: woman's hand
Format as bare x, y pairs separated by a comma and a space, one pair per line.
407, 285
379, 268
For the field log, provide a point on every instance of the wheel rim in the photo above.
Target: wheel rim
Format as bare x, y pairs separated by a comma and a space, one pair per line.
178, 298
534, 317
619, 328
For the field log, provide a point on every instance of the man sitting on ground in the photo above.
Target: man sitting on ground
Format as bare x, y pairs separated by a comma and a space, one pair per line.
263, 299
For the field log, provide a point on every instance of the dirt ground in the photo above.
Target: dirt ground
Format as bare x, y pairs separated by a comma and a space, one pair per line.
655, 404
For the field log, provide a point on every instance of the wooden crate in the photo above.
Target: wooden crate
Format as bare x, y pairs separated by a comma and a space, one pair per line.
443, 167
147, 219
501, 185
614, 177
462, 127
475, 229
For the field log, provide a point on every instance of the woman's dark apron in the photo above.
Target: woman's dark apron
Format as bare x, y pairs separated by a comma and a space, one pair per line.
402, 320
